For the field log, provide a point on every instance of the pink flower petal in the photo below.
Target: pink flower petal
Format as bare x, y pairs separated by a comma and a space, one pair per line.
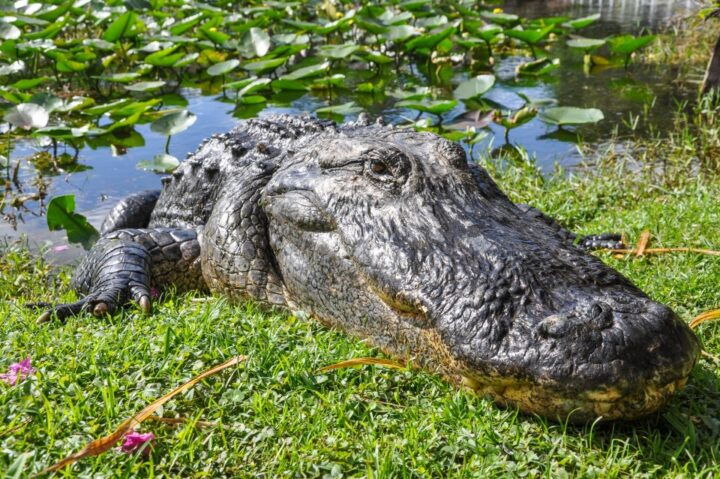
60, 248
17, 372
134, 441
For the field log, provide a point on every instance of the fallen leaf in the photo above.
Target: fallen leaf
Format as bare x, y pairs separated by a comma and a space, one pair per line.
706, 316
666, 250
389, 363
103, 444
643, 242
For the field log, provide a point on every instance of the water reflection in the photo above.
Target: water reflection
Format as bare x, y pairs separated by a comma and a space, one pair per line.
621, 95
617, 15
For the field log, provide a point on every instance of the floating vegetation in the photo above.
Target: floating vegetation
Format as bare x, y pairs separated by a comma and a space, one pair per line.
79, 74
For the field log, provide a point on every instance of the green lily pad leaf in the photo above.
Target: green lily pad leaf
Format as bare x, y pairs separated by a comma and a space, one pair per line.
428, 23
290, 39
8, 31
369, 87
257, 41
531, 37
219, 38
75, 103
400, 33
627, 44
70, 66
500, 18
28, 83
376, 57
436, 107
27, 116
164, 57
186, 24
337, 79
474, 87
539, 67
338, 51
290, 85
516, 119
125, 77
99, 44
52, 14
223, 67
173, 123
145, 85
569, 115
251, 99
489, 32
418, 93
583, 22
106, 107
124, 26
61, 216
429, 41
348, 108
306, 72
186, 60
262, 66
586, 44
258, 84
162, 163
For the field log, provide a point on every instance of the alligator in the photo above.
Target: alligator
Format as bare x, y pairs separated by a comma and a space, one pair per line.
393, 236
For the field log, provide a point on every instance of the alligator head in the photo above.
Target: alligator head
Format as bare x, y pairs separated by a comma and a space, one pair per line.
393, 237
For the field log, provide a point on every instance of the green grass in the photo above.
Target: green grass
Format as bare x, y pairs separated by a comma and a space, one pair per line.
277, 417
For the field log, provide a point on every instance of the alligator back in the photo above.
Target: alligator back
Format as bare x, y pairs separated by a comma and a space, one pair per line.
189, 194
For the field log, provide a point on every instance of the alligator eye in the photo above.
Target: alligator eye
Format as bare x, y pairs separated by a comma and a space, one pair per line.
379, 168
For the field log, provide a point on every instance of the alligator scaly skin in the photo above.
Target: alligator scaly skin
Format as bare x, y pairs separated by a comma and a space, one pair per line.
392, 236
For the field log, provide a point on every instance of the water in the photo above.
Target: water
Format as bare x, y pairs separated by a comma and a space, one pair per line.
621, 95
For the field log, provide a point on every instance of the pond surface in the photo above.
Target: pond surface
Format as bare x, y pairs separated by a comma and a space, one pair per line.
642, 91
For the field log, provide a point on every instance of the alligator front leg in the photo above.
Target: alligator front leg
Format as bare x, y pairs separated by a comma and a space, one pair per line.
589, 242
124, 264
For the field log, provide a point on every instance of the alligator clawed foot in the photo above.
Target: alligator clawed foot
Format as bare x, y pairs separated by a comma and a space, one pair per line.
98, 308
601, 241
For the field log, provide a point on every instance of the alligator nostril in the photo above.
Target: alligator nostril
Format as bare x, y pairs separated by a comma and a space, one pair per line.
600, 315
554, 326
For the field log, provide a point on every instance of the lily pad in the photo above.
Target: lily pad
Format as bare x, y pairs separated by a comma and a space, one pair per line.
145, 85
338, 51
474, 87
27, 116
586, 44
306, 72
569, 115
223, 67
8, 31
173, 123
583, 22
500, 18
436, 107
257, 41
162, 163
61, 215
345, 109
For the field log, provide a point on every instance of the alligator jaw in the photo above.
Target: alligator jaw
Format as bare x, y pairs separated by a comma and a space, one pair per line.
603, 405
